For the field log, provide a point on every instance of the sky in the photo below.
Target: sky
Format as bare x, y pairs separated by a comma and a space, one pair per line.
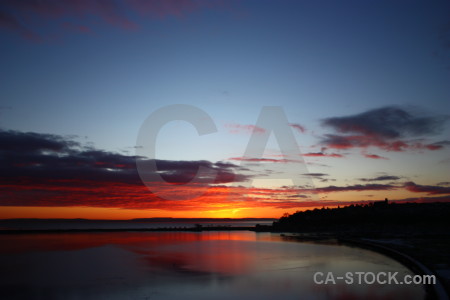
303, 104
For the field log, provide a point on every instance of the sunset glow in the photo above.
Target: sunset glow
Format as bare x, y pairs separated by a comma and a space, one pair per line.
363, 89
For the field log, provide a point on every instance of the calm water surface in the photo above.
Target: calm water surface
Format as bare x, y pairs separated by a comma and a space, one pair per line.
186, 265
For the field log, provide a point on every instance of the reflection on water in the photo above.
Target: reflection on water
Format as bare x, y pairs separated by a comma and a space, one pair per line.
185, 265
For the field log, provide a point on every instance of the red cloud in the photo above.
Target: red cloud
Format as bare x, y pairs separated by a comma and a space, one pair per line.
48, 170
273, 160
374, 156
83, 193
238, 128
434, 147
299, 127
60, 193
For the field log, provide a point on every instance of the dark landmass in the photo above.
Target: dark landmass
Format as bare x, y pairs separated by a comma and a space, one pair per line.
374, 219
409, 232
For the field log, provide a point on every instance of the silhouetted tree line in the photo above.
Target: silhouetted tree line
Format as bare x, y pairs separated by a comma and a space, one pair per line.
375, 216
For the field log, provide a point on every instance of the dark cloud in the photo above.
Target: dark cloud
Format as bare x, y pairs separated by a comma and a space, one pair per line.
321, 154
386, 122
387, 128
318, 176
430, 189
348, 188
361, 141
13, 142
50, 170
44, 157
185, 171
423, 199
356, 188
381, 178
315, 174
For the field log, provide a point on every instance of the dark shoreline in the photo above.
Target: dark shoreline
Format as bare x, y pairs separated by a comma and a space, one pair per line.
440, 290
437, 291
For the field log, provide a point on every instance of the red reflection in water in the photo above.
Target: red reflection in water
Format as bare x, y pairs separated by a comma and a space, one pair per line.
22, 243
206, 252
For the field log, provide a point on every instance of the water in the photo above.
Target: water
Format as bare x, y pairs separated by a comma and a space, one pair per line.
185, 265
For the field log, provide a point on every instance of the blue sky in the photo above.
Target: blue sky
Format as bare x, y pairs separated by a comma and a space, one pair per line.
93, 71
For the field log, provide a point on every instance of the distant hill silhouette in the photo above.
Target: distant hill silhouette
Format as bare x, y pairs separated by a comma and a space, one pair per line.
378, 216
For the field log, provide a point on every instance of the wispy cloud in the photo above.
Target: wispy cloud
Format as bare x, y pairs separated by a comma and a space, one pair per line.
429, 189
243, 128
298, 127
374, 156
356, 188
315, 174
321, 154
319, 176
381, 178
264, 160
25, 17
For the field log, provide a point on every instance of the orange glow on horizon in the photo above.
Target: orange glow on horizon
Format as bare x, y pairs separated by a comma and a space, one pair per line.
100, 213
218, 202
